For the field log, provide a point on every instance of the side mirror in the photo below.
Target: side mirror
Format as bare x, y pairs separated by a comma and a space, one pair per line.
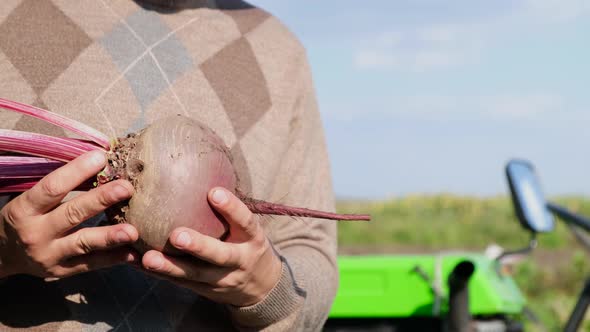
528, 199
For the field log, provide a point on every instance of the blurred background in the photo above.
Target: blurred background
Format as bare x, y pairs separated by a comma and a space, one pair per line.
424, 101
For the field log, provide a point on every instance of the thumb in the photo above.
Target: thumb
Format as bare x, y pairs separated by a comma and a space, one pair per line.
242, 222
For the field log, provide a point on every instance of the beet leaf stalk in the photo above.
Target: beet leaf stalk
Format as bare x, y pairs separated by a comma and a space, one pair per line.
19, 185
22, 167
12, 186
57, 148
58, 120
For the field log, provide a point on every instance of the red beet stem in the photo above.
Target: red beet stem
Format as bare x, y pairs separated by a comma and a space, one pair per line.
58, 120
262, 207
24, 184
14, 167
56, 148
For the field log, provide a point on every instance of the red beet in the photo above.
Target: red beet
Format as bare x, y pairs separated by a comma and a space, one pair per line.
172, 165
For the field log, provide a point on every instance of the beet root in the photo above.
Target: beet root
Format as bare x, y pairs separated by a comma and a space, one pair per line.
172, 165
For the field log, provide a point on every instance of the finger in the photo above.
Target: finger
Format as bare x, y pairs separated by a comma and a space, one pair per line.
97, 260
206, 248
243, 225
90, 239
184, 269
87, 205
49, 192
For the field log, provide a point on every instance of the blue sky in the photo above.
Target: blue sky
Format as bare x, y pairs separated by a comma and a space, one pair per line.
427, 96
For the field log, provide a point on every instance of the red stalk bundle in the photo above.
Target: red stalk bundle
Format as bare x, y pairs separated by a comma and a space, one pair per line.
172, 164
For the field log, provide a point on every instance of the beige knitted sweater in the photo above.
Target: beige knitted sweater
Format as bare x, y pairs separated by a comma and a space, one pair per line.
118, 65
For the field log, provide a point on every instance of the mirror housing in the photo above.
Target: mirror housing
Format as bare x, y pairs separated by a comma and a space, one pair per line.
528, 198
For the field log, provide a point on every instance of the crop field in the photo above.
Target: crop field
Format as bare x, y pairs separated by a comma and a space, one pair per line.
551, 278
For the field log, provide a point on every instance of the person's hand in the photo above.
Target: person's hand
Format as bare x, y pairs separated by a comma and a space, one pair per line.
239, 271
36, 231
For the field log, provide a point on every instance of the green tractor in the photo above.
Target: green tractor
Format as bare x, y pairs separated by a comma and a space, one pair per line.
452, 291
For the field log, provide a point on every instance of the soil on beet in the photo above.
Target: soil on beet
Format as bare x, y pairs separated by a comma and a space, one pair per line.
120, 167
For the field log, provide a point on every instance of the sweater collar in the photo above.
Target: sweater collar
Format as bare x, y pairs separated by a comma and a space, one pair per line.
163, 3
176, 3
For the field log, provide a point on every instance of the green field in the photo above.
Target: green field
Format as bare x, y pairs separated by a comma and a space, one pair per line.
551, 278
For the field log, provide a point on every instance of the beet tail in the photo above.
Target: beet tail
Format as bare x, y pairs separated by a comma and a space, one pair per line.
262, 207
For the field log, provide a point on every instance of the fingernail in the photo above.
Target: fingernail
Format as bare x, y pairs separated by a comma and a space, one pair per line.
131, 258
156, 263
97, 158
219, 196
183, 239
123, 237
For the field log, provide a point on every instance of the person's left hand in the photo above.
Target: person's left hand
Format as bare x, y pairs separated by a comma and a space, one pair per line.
239, 271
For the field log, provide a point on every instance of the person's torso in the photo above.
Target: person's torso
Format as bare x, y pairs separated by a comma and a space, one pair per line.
118, 66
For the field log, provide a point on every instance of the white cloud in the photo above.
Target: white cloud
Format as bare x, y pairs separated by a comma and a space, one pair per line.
524, 106
490, 106
420, 47
433, 107
554, 11
417, 62
389, 38
439, 33
426, 60
368, 59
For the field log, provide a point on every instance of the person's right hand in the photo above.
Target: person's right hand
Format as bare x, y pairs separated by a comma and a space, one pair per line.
36, 235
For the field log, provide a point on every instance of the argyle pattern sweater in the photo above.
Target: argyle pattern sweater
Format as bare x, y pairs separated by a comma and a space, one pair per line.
118, 65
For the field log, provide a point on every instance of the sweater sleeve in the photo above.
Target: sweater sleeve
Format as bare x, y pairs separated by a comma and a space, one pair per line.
302, 298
